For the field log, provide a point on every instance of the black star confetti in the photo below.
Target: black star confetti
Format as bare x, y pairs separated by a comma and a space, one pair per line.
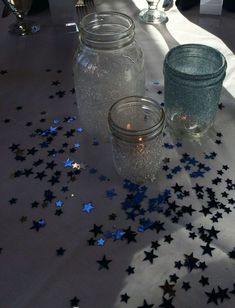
125, 297
191, 262
149, 256
174, 278
74, 302
186, 286
130, 270
13, 200
222, 294
60, 251
97, 230
233, 291
204, 281
146, 305
207, 249
155, 245
37, 225
168, 238
168, 289
104, 263
212, 297
232, 254
167, 303
23, 219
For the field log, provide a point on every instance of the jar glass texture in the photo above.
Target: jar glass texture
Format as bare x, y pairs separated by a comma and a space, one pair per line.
193, 76
136, 125
108, 65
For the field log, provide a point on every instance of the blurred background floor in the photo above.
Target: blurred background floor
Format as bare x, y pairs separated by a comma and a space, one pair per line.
222, 26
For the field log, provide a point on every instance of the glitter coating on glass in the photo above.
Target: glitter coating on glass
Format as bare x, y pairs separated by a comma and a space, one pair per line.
136, 126
193, 75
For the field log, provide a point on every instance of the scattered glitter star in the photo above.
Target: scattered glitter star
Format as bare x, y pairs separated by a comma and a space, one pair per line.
100, 242
59, 203
118, 234
87, 207
76, 166
68, 163
110, 193
77, 145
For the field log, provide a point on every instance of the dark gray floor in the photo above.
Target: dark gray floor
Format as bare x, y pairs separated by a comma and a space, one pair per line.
222, 26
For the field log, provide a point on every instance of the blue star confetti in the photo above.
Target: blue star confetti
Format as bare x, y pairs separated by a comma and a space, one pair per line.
87, 207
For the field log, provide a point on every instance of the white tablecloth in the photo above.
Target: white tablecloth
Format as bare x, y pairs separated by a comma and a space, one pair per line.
168, 244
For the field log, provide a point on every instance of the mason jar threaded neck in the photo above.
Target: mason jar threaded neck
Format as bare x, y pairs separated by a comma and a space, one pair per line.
107, 30
196, 62
136, 118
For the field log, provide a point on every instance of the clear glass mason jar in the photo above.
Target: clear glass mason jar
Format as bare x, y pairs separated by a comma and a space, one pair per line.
136, 126
108, 65
193, 76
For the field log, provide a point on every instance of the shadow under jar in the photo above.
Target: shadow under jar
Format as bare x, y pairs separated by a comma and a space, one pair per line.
108, 65
136, 125
193, 76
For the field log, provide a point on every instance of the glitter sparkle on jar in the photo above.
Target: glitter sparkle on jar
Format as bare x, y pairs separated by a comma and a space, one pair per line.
193, 75
108, 65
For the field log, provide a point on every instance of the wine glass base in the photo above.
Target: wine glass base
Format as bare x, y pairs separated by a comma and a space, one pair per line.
24, 28
153, 17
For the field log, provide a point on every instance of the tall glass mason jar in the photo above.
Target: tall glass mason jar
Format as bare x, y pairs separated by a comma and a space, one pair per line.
108, 65
193, 76
136, 125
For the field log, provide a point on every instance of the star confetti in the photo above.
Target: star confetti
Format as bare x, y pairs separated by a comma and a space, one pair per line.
87, 207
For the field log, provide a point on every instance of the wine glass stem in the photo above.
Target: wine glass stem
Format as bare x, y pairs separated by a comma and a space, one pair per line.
153, 5
19, 19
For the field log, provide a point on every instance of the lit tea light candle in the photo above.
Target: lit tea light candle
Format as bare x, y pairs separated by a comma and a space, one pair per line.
128, 126
136, 146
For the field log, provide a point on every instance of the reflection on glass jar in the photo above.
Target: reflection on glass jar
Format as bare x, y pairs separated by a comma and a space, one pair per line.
107, 66
136, 125
194, 75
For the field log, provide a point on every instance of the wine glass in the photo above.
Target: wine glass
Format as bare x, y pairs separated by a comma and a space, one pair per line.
21, 8
152, 15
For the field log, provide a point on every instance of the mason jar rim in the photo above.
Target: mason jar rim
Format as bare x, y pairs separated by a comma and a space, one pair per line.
99, 17
220, 70
146, 133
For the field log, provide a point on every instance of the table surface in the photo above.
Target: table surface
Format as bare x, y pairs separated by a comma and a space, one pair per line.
88, 238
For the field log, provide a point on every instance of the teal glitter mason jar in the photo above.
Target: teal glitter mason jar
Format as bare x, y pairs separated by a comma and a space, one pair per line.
193, 77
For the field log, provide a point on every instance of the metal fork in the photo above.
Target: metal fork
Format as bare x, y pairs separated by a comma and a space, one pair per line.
84, 7
90, 5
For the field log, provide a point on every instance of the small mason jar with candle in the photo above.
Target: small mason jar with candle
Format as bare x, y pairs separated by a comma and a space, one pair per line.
136, 127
